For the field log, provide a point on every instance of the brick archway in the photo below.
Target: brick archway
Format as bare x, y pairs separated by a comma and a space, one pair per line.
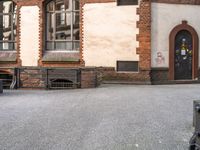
174, 32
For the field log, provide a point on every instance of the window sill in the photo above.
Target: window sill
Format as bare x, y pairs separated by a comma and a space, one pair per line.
128, 72
8, 56
60, 57
61, 51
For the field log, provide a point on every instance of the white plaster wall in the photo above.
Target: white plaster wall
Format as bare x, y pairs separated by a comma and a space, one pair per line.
109, 34
29, 51
164, 18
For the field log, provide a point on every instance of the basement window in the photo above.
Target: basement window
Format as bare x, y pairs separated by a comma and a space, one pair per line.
127, 66
61, 83
127, 2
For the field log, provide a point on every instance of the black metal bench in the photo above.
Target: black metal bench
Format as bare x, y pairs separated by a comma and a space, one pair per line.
1, 86
195, 139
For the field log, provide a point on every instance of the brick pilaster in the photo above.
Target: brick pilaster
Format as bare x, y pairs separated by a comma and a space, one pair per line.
144, 36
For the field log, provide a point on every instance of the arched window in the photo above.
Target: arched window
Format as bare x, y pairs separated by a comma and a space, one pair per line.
7, 25
62, 25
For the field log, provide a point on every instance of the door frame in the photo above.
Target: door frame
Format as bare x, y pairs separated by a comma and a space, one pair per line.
195, 49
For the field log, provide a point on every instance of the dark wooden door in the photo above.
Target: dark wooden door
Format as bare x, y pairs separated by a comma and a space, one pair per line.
183, 55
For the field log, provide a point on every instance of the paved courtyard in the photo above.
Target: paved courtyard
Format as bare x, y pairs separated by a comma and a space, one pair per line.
111, 117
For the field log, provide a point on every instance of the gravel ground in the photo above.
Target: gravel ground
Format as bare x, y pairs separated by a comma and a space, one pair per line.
111, 117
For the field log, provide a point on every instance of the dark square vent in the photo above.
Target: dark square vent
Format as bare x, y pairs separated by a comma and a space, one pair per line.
127, 2
127, 66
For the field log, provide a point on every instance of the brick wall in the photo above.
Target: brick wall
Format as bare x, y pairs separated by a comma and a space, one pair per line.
144, 38
89, 78
159, 74
108, 74
144, 49
192, 2
32, 78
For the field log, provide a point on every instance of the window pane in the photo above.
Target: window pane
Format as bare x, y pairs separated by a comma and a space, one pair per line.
14, 8
14, 27
67, 5
63, 45
62, 5
5, 6
7, 45
50, 6
75, 4
63, 26
50, 26
50, 45
76, 45
5, 27
76, 26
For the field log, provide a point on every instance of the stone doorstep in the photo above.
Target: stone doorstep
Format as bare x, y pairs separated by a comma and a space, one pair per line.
127, 82
176, 82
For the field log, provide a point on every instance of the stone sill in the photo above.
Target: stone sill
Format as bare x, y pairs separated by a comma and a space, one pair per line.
8, 56
66, 60
127, 72
61, 57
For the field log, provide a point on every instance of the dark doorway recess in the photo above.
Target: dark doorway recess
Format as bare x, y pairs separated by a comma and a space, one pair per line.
183, 53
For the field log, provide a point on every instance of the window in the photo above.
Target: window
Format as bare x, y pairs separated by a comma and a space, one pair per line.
127, 2
127, 66
62, 25
7, 25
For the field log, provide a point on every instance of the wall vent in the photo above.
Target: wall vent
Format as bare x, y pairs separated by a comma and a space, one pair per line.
127, 2
127, 66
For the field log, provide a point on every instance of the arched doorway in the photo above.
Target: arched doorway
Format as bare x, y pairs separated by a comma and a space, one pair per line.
183, 53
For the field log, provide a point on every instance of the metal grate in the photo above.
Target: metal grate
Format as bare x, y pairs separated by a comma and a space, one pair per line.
63, 78
6, 79
62, 83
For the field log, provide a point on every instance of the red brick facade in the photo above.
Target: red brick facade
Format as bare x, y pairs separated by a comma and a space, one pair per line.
144, 49
90, 77
144, 36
